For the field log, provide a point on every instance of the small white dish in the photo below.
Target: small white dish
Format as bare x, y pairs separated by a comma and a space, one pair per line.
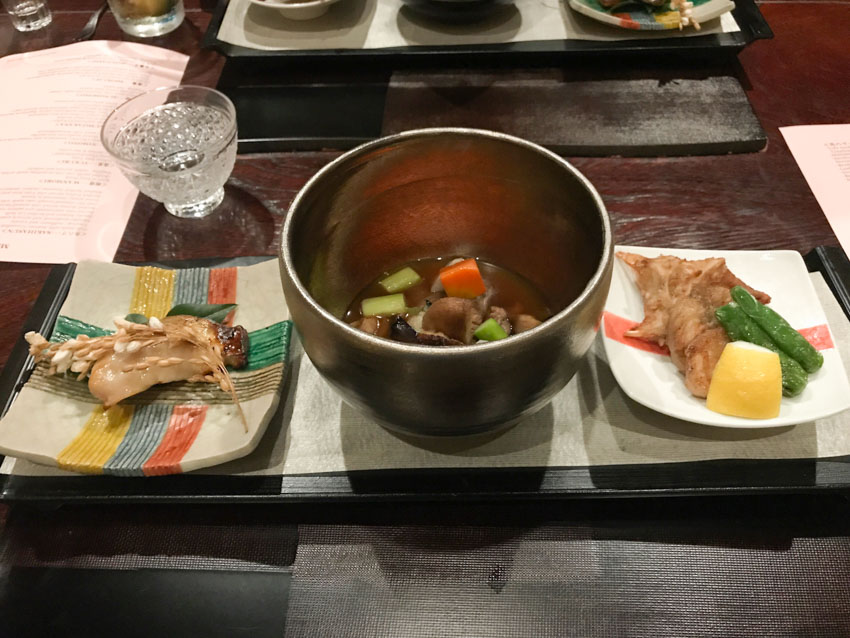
297, 10
650, 378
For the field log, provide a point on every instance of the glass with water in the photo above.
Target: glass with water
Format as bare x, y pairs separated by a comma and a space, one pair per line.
176, 145
147, 18
28, 15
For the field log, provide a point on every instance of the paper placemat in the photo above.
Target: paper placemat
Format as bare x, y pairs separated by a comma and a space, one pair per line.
64, 199
589, 423
822, 152
378, 24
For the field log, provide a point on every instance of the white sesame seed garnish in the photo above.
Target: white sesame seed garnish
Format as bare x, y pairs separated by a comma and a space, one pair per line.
134, 346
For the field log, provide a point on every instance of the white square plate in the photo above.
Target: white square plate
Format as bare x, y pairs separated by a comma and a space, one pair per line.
652, 379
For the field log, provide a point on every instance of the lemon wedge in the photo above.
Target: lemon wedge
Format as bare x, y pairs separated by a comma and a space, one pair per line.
747, 382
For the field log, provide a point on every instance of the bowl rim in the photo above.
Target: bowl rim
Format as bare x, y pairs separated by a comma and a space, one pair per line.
230, 110
516, 341
273, 4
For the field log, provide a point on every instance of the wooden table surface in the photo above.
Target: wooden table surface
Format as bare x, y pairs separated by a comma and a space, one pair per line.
745, 201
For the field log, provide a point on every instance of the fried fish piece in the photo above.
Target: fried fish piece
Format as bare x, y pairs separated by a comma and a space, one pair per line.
138, 356
701, 357
666, 279
186, 348
679, 299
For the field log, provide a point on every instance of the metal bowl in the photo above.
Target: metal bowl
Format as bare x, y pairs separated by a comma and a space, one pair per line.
457, 11
432, 193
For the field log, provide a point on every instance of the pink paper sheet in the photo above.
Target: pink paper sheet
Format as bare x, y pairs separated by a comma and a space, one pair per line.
823, 153
62, 198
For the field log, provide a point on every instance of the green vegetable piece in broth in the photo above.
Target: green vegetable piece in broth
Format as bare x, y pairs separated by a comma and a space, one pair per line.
780, 331
740, 327
385, 306
490, 330
401, 280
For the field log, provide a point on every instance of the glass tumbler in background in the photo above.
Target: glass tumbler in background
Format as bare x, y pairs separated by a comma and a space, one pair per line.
147, 18
177, 145
28, 15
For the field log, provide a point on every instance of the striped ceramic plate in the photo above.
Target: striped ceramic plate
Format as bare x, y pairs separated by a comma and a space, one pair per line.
170, 428
642, 17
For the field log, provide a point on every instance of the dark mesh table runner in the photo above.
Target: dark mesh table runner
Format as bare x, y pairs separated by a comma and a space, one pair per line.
676, 567
559, 581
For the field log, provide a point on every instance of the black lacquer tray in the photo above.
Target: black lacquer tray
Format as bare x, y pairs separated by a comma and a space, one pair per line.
316, 99
718, 477
549, 52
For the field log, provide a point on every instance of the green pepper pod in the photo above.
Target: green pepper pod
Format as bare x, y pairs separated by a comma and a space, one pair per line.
780, 331
740, 327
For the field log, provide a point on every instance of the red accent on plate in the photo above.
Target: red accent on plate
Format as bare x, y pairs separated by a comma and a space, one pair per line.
626, 21
186, 422
818, 336
615, 328
222, 289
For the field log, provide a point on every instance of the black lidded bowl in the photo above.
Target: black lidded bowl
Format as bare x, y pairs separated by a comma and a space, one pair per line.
457, 11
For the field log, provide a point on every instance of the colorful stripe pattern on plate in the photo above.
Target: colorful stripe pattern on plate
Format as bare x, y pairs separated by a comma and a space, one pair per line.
645, 20
183, 427
637, 15
97, 442
151, 435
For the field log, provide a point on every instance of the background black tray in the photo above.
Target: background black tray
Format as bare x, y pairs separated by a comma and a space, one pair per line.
317, 99
513, 484
549, 52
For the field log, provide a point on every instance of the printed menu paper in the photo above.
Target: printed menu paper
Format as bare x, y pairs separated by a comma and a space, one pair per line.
62, 198
823, 153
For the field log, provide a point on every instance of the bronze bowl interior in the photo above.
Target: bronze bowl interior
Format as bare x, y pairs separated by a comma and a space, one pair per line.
439, 192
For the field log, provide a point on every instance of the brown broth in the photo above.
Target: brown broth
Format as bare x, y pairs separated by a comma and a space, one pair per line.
504, 288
